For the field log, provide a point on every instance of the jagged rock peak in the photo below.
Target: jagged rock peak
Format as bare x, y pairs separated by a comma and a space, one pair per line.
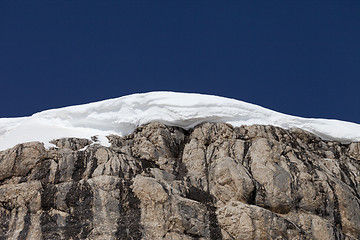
213, 181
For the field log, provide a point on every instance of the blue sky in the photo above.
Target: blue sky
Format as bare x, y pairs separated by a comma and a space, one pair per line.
297, 57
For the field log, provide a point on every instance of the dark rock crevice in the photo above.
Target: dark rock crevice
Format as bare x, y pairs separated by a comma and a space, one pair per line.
79, 200
24, 232
336, 210
207, 200
129, 226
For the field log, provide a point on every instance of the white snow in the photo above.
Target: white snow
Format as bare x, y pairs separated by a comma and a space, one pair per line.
122, 115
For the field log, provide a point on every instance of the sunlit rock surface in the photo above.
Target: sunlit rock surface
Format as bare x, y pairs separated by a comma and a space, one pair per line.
212, 181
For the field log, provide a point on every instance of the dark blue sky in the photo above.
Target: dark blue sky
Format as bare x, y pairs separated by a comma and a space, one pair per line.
296, 57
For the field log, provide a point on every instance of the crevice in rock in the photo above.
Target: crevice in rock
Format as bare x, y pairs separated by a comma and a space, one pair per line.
344, 170
79, 166
273, 133
179, 169
215, 230
146, 164
57, 175
193, 236
25, 177
48, 196
308, 162
247, 146
27, 222
336, 210
79, 199
94, 165
207, 162
207, 200
5, 217
49, 226
129, 222
252, 197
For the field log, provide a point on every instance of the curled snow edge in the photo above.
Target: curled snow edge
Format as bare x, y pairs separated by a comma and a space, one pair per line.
122, 115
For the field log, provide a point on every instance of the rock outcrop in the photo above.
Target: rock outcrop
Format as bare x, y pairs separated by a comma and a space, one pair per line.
211, 182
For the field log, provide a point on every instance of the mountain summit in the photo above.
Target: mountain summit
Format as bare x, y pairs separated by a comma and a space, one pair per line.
178, 166
122, 115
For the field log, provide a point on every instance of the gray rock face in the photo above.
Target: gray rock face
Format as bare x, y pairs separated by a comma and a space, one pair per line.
211, 182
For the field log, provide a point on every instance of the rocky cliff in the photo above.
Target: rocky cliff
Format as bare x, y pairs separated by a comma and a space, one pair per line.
211, 182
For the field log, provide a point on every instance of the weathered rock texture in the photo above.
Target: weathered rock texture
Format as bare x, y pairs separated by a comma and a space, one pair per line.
212, 182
